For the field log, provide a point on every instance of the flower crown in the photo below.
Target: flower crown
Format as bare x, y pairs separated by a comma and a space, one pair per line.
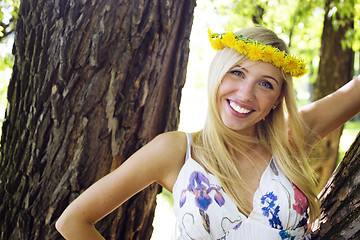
256, 51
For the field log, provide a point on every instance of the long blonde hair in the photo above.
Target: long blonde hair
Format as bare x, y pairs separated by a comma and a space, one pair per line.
285, 141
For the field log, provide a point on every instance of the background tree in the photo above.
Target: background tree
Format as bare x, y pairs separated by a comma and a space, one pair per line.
340, 209
92, 82
335, 69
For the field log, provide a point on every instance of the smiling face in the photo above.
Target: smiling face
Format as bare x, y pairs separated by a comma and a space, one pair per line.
247, 94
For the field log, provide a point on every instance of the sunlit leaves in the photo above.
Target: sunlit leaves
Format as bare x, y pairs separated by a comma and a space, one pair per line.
8, 16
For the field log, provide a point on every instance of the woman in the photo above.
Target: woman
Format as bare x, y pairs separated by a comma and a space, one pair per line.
245, 175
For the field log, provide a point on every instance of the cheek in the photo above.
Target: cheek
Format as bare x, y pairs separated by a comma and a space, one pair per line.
224, 89
277, 96
268, 102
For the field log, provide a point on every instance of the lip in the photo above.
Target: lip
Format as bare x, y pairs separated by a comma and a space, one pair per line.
237, 114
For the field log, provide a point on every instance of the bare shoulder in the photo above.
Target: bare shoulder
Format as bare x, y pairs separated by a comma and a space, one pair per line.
172, 146
172, 139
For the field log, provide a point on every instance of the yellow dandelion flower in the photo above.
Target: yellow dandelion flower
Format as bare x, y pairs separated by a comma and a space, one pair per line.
268, 54
254, 52
212, 38
300, 70
212, 35
259, 52
279, 60
217, 44
240, 46
291, 64
229, 40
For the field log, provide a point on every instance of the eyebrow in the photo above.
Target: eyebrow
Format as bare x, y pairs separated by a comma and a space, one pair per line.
268, 76
241, 67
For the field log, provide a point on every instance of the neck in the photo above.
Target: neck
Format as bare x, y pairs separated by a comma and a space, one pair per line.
256, 152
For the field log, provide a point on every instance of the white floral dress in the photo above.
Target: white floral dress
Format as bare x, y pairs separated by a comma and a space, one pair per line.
204, 211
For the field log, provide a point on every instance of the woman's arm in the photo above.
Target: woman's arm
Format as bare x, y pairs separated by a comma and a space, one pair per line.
327, 114
158, 161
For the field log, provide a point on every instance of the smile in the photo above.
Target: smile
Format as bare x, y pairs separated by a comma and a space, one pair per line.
237, 108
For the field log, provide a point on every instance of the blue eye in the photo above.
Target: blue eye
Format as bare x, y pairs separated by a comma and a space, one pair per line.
238, 73
267, 85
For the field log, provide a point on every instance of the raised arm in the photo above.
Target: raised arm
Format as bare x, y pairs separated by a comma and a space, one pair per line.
158, 161
327, 114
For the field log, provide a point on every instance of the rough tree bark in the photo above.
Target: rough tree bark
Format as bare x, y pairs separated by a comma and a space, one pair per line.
340, 208
93, 81
335, 69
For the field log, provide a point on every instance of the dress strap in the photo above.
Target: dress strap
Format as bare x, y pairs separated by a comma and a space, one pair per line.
188, 148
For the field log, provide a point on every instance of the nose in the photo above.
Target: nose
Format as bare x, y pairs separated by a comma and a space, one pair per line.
246, 91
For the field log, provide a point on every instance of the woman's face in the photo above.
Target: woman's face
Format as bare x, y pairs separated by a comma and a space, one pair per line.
247, 94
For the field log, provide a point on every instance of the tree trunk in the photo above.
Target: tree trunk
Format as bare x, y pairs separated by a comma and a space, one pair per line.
335, 69
340, 209
92, 82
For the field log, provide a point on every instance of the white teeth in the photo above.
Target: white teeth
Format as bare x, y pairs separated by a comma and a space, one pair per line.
239, 109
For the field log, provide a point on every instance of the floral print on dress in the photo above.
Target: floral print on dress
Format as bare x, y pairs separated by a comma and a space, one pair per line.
290, 235
271, 210
200, 186
301, 203
300, 206
202, 207
286, 235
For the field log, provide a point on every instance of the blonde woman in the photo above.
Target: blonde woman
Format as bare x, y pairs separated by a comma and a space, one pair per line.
246, 174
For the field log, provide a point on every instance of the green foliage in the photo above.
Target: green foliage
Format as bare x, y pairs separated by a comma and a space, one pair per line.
340, 10
356, 34
353, 12
351, 129
6, 62
298, 22
8, 15
342, 13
